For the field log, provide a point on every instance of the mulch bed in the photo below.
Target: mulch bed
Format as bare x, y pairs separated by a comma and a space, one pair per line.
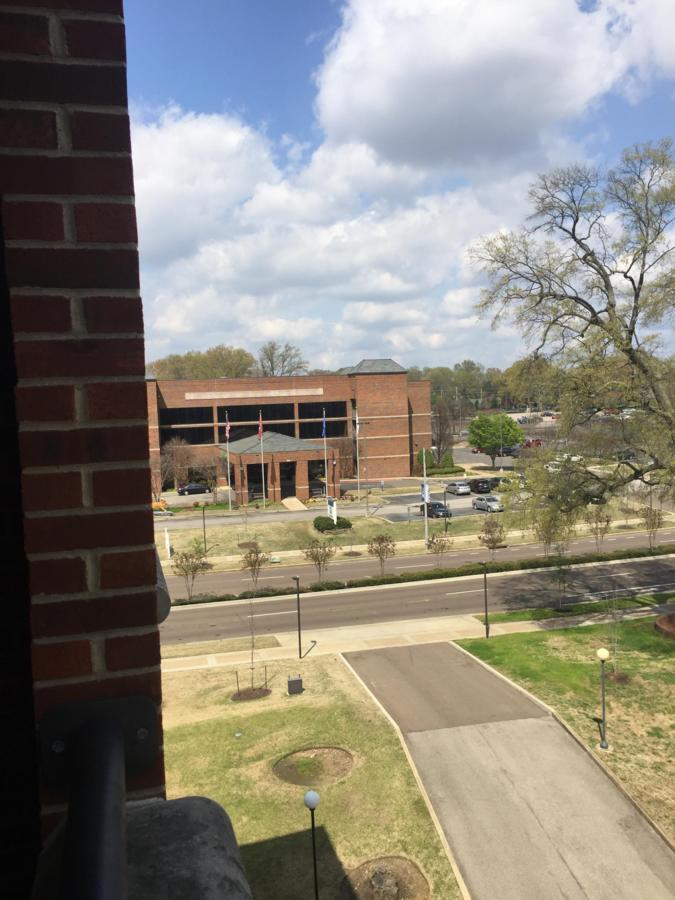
386, 878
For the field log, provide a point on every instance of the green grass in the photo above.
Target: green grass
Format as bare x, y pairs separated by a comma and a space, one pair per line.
561, 668
227, 645
574, 609
376, 810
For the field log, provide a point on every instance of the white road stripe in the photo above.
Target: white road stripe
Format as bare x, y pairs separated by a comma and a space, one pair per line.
472, 591
415, 566
285, 612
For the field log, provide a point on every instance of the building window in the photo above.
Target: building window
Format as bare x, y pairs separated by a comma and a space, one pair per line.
336, 410
311, 430
186, 415
270, 412
189, 435
243, 431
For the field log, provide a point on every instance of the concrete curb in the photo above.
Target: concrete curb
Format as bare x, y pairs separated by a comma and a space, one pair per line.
413, 768
572, 733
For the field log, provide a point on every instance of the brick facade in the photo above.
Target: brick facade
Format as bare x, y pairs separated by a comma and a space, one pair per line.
70, 283
394, 414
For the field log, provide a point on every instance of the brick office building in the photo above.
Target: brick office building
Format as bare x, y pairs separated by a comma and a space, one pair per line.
394, 414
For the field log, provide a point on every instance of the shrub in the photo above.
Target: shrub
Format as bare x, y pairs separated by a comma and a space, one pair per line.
327, 586
325, 523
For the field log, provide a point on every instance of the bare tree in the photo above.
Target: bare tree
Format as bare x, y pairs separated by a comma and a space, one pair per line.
599, 522
320, 553
209, 475
190, 563
275, 359
175, 460
492, 534
586, 281
652, 519
441, 429
439, 544
253, 562
345, 448
552, 527
383, 547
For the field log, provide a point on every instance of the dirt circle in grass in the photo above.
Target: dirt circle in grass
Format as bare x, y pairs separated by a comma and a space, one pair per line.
250, 694
386, 878
314, 766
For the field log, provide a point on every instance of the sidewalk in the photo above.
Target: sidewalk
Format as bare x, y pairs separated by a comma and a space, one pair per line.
390, 634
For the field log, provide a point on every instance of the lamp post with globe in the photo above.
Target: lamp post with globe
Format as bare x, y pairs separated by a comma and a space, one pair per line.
603, 655
311, 802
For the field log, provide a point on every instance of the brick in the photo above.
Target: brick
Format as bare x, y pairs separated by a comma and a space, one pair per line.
69, 659
148, 683
62, 490
100, 131
135, 568
24, 34
75, 532
32, 221
88, 39
57, 576
56, 83
113, 314
106, 223
83, 445
77, 358
64, 268
28, 129
66, 175
40, 313
121, 488
132, 651
46, 403
102, 613
117, 401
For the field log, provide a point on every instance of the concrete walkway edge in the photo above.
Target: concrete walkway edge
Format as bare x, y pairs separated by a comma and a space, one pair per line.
579, 740
413, 768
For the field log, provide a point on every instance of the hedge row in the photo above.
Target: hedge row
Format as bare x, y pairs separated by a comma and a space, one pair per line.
546, 562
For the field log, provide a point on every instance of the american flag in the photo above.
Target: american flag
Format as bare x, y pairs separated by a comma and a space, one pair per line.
227, 428
260, 426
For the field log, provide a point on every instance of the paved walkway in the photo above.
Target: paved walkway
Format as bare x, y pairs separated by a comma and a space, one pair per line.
527, 812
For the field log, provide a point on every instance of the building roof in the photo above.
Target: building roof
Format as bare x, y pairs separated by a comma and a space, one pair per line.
273, 442
373, 367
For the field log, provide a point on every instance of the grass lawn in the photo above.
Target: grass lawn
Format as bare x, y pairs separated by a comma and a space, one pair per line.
561, 668
574, 609
227, 645
376, 810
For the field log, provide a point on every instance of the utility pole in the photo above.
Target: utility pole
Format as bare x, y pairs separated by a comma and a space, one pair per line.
426, 494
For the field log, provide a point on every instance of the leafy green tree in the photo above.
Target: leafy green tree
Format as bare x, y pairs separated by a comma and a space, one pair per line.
492, 534
492, 433
590, 282
217, 362
191, 563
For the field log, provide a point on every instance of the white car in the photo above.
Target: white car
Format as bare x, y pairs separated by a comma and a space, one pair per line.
555, 464
489, 503
458, 487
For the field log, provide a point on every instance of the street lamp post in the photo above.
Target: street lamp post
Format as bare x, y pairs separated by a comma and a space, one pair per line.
425, 492
296, 579
445, 504
485, 601
311, 802
603, 655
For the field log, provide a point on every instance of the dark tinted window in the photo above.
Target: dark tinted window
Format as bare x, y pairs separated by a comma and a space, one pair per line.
242, 431
270, 412
314, 429
191, 435
315, 410
188, 415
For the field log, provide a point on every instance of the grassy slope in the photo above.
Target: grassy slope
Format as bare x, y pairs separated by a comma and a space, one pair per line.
376, 810
560, 667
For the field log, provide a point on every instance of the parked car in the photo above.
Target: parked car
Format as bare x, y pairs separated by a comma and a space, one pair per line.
476, 450
510, 451
522, 420
193, 488
480, 486
530, 443
458, 487
489, 504
497, 480
436, 510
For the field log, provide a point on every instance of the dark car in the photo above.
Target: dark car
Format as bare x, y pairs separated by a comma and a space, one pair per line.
436, 510
480, 485
497, 481
510, 451
194, 488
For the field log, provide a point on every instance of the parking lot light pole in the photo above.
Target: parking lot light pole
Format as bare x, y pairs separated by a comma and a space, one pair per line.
485, 599
603, 655
311, 802
426, 508
296, 579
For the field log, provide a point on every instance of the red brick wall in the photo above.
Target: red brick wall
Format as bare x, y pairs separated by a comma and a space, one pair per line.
72, 268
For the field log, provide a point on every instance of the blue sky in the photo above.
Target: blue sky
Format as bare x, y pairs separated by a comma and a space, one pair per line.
315, 171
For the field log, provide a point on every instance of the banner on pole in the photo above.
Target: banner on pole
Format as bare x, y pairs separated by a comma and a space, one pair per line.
425, 492
332, 508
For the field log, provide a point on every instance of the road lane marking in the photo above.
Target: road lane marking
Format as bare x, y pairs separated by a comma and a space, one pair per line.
415, 566
285, 612
472, 591
269, 577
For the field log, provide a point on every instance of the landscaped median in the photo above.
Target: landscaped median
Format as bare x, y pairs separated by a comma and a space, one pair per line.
516, 565
560, 667
370, 804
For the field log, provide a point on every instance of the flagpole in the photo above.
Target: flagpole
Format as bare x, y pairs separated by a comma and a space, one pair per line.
325, 458
262, 459
227, 445
358, 466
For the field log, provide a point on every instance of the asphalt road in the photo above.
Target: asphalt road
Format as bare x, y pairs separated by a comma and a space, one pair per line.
407, 601
527, 812
278, 575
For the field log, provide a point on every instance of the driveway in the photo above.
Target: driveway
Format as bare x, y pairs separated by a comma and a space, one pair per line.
527, 812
